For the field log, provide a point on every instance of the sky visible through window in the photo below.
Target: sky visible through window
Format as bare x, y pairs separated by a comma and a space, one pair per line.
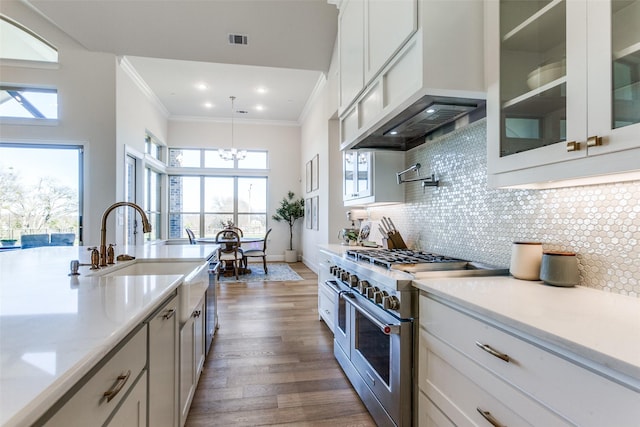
35, 163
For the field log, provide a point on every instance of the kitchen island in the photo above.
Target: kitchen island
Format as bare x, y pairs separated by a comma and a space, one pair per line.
55, 328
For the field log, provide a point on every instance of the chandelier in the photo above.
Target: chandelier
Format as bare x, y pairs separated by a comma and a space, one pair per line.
232, 153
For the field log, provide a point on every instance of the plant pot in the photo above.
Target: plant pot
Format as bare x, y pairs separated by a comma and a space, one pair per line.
290, 256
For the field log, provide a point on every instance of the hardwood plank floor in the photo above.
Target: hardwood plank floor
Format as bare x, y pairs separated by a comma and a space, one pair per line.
272, 361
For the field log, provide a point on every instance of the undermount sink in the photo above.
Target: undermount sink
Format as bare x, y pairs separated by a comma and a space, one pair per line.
153, 268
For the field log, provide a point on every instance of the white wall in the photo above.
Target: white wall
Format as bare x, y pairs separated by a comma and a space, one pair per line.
320, 135
284, 174
86, 97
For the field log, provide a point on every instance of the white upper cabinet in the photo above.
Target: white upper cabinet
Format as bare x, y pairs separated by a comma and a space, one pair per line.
370, 32
369, 177
351, 39
388, 25
410, 48
563, 87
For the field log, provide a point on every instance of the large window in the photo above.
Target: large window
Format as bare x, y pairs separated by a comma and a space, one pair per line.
206, 203
40, 190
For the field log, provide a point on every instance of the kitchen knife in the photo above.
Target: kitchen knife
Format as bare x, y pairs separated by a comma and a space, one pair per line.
393, 226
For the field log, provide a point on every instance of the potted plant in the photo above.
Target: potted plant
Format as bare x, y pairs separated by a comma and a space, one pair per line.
290, 210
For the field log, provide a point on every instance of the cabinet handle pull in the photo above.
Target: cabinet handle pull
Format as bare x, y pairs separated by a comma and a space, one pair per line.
197, 313
491, 351
573, 146
490, 418
122, 380
594, 141
169, 314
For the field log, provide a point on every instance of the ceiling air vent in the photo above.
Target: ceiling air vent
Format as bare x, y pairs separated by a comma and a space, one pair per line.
237, 39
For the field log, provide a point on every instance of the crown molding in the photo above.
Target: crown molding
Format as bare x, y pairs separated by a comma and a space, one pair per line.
129, 70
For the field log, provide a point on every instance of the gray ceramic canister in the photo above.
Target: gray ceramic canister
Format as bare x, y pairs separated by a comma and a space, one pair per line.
559, 269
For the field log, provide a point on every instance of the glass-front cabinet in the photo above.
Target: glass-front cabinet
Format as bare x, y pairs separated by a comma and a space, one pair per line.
357, 174
563, 81
369, 177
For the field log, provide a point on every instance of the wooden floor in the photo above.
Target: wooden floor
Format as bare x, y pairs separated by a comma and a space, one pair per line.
272, 361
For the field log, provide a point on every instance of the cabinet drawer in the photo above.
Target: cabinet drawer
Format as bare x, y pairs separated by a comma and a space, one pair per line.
326, 305
429, 415
461, 389
88, 405
558, 383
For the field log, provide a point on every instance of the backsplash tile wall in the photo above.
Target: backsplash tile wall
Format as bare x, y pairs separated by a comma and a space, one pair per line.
466, 219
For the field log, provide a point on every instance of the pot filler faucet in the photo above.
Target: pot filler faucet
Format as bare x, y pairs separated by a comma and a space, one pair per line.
146, 227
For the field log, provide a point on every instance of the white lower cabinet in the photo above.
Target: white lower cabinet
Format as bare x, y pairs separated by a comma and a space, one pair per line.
133, 412
192, 356
163, 365
476, 371
327, 301
116, 384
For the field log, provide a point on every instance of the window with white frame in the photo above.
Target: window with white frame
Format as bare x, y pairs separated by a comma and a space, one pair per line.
153, 202
206, 201
20, 43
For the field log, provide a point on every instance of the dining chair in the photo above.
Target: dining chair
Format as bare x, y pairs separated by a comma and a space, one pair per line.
257, 253
192, 237
229, 250
236, 229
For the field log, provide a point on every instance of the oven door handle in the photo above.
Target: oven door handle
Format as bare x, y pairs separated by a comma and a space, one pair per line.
386, 328
333, 285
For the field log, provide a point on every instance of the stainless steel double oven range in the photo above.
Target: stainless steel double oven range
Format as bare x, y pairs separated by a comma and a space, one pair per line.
374, 313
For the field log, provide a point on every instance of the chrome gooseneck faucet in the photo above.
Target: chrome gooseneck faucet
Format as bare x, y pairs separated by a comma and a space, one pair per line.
146, 227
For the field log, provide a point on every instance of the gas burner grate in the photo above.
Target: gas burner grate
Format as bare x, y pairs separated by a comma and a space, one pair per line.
388, 257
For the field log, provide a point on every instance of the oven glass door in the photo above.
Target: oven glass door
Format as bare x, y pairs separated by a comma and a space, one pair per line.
381, 353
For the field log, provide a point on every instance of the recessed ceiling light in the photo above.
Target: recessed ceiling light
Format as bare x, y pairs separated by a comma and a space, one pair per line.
393, 132
208, 105
202, 86
259, 107
431, 110
261, 89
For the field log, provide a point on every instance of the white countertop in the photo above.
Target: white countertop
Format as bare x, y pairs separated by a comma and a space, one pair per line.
54, 328
598, 326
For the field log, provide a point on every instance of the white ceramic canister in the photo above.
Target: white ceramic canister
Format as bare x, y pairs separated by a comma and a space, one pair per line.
525, 260
559, 269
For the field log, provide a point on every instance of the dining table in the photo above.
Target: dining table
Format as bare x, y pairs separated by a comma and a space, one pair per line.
228, 242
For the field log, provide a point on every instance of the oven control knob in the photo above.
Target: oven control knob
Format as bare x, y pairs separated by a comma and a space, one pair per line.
332, 270
344, 276
363, 285
390, 302
353, 280
378, 296
371, 292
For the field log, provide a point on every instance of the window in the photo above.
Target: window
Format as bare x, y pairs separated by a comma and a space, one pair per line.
209, 158
21, 44
153, 148
32, 103
40, 190
152, 202
205, 203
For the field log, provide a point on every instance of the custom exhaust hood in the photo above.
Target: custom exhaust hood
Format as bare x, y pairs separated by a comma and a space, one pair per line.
428, 117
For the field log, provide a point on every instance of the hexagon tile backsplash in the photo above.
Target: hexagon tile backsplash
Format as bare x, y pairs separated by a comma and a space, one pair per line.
466, 219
